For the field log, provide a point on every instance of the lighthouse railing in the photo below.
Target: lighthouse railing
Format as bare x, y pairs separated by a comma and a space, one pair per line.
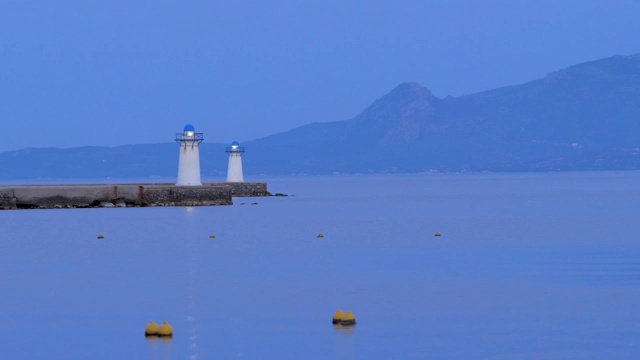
237, 149
196, 137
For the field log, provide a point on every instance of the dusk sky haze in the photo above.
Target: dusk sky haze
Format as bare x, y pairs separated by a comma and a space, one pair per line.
78, 73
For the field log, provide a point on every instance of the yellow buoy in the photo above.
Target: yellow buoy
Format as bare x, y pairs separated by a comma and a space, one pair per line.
436, 234
151, 329
100, 236
212, 236
348, 319
337, 316
320, 235
165, 330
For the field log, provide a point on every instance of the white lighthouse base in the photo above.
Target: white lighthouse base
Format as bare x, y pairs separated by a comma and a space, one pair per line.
189, 165
234, 171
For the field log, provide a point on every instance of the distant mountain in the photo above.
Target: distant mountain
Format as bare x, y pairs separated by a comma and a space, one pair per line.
585, 117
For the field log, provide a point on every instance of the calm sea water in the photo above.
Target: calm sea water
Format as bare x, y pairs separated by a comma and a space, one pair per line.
529, 266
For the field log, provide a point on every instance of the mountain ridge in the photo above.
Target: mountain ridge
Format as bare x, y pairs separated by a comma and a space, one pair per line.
583, 117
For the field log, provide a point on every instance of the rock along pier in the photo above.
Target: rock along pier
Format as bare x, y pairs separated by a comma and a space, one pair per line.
124, 195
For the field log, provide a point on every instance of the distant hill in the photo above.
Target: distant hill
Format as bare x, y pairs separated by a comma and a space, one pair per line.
129, 161
585, 117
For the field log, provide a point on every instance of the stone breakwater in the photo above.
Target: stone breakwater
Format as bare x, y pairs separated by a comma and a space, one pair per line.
124, 195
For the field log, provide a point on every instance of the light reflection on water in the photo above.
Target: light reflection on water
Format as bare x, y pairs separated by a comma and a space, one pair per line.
192, 286
160, 347
344, 341
529, 266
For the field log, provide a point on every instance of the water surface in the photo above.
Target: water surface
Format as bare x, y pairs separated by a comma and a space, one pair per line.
528, 266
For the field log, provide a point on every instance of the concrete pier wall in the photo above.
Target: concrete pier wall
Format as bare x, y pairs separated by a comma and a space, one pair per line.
123, 195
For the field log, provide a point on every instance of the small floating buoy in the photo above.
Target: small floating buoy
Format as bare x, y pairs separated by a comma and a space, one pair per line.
436, 234
337, 316
151, 329
348, 319
100, 236
212, 236
320, 235
165, 330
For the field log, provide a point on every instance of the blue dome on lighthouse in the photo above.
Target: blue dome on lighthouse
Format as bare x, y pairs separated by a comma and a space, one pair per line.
235, 148
189, 127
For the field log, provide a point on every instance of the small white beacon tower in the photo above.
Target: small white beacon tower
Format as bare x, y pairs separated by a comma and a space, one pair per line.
189, 162
234, 171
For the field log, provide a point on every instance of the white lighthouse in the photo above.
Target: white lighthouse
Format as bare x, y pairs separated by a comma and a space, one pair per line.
189, 163
234, 171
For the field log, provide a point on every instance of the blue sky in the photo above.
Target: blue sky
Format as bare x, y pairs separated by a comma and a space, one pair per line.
75, 73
